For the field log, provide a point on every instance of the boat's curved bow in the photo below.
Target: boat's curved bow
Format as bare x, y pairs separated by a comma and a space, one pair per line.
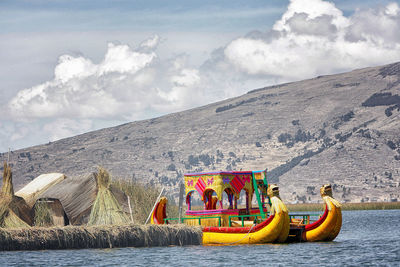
274, 229
330, 223
159, 213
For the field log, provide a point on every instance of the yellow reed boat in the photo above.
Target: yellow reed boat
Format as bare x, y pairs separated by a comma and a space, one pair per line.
224, 222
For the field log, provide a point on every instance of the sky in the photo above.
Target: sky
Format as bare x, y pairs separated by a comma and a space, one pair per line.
68, 67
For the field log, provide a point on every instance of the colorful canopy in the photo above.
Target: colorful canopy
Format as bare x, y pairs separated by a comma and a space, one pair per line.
236, 181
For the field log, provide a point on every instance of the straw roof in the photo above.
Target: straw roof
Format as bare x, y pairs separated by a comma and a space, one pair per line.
76, 196
37, 186
14, 212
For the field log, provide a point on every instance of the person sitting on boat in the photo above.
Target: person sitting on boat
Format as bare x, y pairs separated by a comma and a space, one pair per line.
211, 201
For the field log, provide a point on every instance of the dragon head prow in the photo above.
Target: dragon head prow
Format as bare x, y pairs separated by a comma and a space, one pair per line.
326, 194
326, 190
273, 190
277, 205
163, 200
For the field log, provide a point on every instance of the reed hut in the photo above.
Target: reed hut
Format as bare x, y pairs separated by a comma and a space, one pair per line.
71, 202
106, 208
14, 212
37, 186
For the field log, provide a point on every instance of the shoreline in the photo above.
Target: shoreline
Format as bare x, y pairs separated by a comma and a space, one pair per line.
345, 206
106, 236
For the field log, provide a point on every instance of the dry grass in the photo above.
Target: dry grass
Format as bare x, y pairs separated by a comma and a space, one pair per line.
107, 236
42, 214
142, 199
371, 206
346, 206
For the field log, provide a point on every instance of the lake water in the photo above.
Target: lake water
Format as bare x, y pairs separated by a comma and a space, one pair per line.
367, 238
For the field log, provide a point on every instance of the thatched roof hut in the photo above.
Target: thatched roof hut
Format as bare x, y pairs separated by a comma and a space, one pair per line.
71, 201
37, 186
14, 212
106, 208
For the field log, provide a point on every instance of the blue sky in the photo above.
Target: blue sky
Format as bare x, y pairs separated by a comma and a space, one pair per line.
137, 15
140, 59
235, 16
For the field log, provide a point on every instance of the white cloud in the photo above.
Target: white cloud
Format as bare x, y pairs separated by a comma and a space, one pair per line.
122, 59
380, 26
392, 9
313, 37
150, 43
83, 89
302, 24
313, 9
73, 67
127, 84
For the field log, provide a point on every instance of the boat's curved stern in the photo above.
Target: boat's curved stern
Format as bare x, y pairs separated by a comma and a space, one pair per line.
159, 212
329, 225
274, 229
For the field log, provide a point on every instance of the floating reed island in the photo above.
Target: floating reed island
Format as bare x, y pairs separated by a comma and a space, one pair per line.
89, 212
105, 236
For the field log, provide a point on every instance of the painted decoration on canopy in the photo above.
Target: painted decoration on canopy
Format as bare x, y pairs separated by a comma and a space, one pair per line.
237, 184
200, 186
218, 182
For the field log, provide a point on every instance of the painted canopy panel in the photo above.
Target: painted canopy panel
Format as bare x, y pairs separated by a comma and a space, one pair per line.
219, 181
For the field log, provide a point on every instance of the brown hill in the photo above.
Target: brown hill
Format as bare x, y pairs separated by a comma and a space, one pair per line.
343, 129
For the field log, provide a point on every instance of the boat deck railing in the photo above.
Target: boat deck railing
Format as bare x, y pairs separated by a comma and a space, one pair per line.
243, 217
294, 218
304, 218
195, 218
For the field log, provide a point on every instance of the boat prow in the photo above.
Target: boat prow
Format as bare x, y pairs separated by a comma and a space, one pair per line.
159, 212
330, 223
274, 229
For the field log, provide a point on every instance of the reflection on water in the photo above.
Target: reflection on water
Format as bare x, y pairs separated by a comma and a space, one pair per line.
367, 238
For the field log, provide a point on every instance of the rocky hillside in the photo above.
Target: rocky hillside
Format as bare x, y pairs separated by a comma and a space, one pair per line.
343, 129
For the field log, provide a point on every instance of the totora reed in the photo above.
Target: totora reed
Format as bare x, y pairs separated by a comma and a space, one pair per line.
77, 237
14, 212
106, 209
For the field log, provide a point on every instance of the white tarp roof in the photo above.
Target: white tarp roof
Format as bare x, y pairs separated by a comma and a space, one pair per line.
31, 191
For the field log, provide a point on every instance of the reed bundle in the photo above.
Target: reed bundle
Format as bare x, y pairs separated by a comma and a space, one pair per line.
7, 189
14, 212
106, 209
